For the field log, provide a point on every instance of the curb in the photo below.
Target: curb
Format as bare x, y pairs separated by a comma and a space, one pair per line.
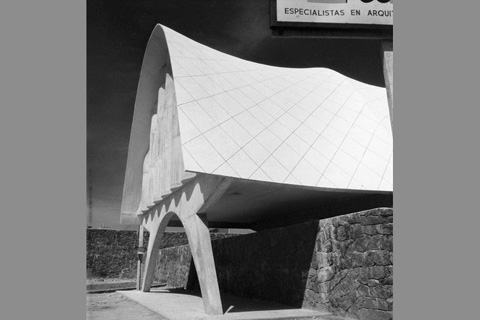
114, 287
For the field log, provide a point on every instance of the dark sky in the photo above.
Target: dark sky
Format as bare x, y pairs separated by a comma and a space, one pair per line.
117, 35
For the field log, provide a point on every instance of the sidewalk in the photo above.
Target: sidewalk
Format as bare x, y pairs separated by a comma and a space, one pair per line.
114, 306
188, 305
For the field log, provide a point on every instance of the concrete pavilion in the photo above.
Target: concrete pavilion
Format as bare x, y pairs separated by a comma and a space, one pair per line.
218, 141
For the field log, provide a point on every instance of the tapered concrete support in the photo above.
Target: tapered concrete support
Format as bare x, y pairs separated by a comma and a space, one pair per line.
156, 229
201, 248
387, 56
187, 203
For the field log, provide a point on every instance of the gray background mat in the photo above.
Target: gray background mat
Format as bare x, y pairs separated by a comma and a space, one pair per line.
42, 132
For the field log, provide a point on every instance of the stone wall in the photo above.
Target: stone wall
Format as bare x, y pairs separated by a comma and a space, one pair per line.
175, 267
112, 253
341, 264
352, 269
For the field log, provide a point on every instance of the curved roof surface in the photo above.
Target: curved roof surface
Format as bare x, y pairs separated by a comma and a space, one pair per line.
301, 126
311, 127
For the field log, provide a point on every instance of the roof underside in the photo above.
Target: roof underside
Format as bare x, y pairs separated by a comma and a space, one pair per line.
262, 205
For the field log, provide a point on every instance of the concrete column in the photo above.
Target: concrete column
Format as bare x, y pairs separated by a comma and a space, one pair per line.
157, 229
387, 57
201, 247
151, 258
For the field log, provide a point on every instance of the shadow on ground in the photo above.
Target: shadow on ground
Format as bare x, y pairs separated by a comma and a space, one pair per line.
232, 304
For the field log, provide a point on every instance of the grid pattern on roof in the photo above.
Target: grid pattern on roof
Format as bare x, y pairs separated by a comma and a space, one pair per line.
311, 127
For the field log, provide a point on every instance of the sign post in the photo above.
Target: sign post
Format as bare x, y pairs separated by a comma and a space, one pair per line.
140, 253
387, 58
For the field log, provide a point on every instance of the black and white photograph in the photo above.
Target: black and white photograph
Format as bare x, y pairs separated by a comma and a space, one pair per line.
239, 160
233, 159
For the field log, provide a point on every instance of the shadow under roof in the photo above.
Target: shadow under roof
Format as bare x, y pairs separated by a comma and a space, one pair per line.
263, 205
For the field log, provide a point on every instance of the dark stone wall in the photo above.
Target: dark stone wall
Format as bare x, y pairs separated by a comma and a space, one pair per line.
112, 253
343, 265
175, 267
271, 265
351, 272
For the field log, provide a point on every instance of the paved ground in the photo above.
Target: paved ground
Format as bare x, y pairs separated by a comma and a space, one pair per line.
177, 304
114, 306
162, 304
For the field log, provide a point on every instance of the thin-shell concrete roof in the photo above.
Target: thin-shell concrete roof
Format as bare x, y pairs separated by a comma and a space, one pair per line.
309, 127
302, 126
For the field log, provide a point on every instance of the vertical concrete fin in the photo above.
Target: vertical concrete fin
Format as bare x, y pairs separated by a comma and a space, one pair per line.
151, 79
155, 161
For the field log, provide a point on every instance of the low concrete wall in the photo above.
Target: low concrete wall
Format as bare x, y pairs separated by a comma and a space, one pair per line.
342, 265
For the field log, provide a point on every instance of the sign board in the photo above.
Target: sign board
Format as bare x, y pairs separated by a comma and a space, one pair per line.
357, 12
